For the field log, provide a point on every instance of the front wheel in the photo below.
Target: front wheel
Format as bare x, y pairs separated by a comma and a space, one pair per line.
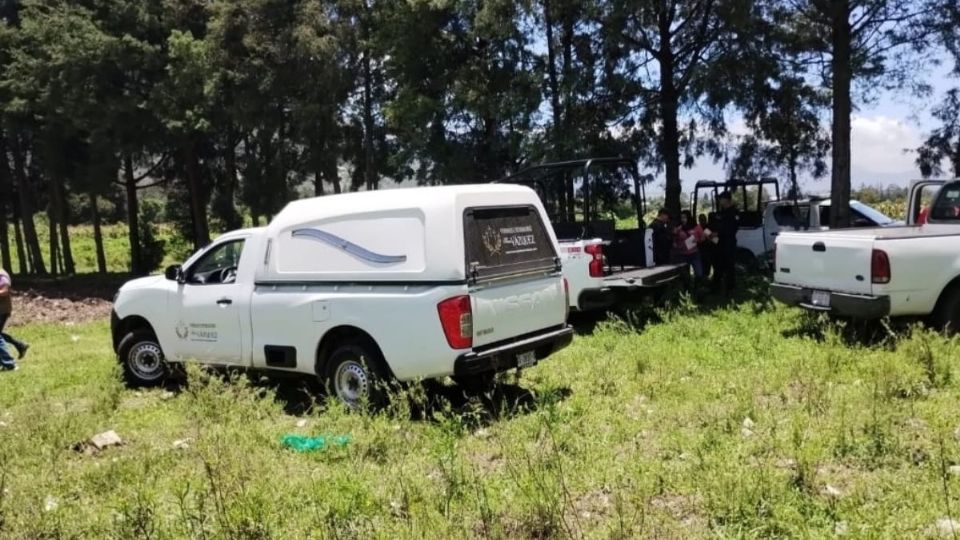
142, 359
356, 375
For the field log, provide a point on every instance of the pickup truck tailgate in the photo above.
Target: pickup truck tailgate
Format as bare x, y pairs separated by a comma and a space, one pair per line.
829, 261
512, 310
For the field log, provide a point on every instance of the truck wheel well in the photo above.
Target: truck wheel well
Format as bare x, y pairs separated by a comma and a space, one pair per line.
127, 325
339, 335
953, 285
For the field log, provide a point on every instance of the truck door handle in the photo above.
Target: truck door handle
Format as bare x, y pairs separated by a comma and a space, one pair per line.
819, 246
224, 302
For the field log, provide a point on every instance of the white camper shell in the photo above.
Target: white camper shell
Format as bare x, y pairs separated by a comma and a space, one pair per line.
399, 284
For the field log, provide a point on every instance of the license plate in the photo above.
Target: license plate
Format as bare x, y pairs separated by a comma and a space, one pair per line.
820, 298
526, 359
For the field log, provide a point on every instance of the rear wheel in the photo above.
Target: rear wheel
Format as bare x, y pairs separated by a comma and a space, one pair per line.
946, 316
142, 359
356, 375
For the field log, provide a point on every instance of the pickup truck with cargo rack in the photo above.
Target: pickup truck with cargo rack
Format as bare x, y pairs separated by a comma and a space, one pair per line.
360, 289
603, 260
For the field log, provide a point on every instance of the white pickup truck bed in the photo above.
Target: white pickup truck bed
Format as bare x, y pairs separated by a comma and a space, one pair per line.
867, 273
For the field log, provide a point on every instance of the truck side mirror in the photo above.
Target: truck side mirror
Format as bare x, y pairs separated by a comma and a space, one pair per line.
174, 272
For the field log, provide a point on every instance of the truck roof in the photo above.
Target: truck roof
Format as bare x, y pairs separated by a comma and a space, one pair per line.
408, 234
326, 206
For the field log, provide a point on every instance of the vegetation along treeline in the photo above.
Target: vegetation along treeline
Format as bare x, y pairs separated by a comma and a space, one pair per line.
222, 110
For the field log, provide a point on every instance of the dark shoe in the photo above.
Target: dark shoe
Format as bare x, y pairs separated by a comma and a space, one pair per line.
14, 368
22, 350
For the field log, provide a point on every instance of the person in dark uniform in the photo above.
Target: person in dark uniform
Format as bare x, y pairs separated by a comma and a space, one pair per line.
706, 247
726, 226
662, 238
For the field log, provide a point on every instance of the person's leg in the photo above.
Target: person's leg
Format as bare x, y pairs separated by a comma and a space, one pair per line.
6, 360
17, 344
697, 264
729, 272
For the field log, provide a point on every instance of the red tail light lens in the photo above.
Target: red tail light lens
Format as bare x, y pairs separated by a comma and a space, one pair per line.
596, 263
566, 299
456, 317
880, 267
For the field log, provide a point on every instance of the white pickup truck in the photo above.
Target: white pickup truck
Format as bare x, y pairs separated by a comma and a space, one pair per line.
602, 262
812, 214
360, 289
876, 272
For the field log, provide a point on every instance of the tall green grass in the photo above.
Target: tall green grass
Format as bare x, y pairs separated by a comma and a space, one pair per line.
752, 421
116, 246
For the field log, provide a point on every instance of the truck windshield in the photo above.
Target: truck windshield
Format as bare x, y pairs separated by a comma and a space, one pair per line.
947, 206
870, 213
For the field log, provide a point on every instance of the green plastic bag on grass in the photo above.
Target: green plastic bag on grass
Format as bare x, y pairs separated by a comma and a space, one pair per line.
302, 443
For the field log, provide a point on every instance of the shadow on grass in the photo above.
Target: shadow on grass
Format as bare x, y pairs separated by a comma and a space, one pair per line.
642, 308
428, 401
851, 332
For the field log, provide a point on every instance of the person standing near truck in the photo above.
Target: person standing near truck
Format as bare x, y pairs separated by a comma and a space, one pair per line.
687, 239
727, 224
7, 362
662, 238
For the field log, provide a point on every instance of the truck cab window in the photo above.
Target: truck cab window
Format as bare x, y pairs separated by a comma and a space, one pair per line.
795, 216
947, 205
218, 266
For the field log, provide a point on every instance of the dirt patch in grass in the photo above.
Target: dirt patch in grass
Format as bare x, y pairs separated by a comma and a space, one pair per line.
75, 299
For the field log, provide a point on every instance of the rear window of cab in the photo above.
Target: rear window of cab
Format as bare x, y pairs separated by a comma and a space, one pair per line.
947, 205
504, 242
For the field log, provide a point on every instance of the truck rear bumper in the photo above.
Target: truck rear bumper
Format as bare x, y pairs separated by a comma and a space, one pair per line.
846, 305
503, 356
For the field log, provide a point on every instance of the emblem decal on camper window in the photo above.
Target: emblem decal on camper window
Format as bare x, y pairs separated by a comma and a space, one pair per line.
492, 241
348, 246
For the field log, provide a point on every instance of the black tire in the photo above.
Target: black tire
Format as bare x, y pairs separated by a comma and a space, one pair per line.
946, 316
142, 359
355, 373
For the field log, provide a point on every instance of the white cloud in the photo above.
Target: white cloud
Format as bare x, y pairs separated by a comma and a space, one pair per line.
878, 142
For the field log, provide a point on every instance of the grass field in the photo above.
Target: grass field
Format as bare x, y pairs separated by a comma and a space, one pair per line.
750, 421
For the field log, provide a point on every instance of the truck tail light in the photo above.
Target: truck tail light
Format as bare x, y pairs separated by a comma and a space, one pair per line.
566, 299
596, 263
456, 317
879, 267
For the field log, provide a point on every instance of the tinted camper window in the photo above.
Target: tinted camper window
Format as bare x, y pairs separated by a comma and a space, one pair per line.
502, 242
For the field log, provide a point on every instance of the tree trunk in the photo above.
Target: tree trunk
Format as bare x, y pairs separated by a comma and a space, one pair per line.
566, 38
56, 262
97, 235
554, 83
198, 208
233, 218
368, 153
955, 161
133, 216
31, 240
5, 261
6, 187
21, 253
669, 104
840, 64
318, 173
63, 217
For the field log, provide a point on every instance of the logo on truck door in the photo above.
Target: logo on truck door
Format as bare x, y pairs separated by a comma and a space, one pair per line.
348, 246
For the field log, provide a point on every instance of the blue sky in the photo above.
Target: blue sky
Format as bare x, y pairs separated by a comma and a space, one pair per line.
881, 131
